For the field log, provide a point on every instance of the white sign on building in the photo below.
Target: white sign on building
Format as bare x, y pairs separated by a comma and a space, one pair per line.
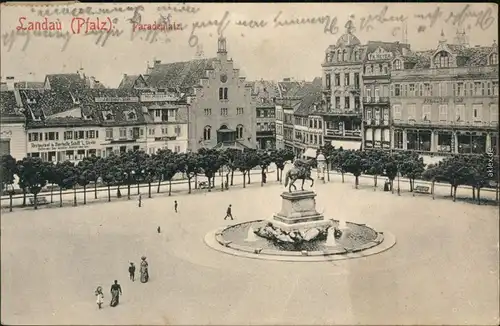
132, 99
380, 54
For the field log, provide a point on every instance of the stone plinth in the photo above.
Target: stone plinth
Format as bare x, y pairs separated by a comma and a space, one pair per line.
298, 212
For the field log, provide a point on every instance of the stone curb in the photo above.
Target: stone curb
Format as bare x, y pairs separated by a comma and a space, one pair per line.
384, 241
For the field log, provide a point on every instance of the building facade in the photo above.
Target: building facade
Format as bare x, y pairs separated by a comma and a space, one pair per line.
445, 101
12, 129
280, 143
266, 93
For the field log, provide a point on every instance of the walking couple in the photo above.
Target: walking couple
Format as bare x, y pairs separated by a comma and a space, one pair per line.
144, 270
116, 291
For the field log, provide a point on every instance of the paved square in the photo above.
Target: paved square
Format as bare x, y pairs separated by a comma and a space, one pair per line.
443, 269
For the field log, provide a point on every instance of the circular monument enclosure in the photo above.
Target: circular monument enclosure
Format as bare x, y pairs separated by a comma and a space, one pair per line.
299, 233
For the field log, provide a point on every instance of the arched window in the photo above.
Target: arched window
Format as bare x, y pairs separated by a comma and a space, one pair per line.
344, 55
356, 55
131, 116
494, 59
239, 132
442, 59
207, 133
339, 54
397, 64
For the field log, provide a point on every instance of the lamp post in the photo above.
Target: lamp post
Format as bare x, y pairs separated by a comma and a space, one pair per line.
11, 193
142, 175
399, 189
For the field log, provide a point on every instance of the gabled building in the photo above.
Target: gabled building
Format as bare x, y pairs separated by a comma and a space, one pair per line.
445, 101
266, 93
12, 122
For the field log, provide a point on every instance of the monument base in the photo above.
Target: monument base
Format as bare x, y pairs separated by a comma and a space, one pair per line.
297, 221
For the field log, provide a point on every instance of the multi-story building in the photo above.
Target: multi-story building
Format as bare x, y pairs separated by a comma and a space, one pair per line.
376, 85
288, 129
266, 93
341, 110
12, 131
280, 143
445, 101
220, 105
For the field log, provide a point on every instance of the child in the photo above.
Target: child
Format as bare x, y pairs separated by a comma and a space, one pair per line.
100, 296
175, 205
131, 271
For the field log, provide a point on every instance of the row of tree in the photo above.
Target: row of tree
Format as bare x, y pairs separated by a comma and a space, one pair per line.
134, 168
476, 171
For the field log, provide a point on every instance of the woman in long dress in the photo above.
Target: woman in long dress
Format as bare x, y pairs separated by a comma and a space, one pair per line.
116, 291
144, 270
100, 296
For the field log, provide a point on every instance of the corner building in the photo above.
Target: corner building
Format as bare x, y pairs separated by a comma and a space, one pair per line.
445, 101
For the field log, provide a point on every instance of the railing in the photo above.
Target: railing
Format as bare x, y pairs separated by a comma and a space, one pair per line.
376, 99
345, 133
342, 111
449, 72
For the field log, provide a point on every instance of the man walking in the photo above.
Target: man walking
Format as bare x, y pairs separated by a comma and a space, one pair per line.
175, 205
131, 271
228, 213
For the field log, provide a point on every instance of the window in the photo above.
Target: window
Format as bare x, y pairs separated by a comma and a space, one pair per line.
337, 79
51, 135
266, 126
35, 136
347, 102
356, 79
443, 112
442, 60
91, 134
259, 126
131, 116
398, 139
411, 90
223, 111
310, 123
109, 133
397, 64
404, 90
123, 132
315, 124
320, 124
427, 89
223, 93
151, 132
460, 112
476, 109
347, 79
80, 154
397, 111
411, 111
171, 113
328, 81
79, 134
68, 135
368, 114
70, 155
208, 111
426, 112
477, 89
494, 59
177, 130
239, 111
488, 86
397, 90
177, 148
157, 113
344, 55
494, 112
207, 133
239, 132
495, 88
420, 89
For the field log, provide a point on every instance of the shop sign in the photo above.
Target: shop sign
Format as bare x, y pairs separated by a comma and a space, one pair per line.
380, 54
435, 100
132, 99
62, 145
157, 98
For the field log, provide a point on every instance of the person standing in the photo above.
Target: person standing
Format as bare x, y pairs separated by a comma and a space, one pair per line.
131, 271
144, 270
175, 205
116, 291
100, 296
229, 213
140, 200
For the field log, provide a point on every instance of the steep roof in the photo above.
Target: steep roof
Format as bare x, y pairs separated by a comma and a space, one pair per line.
311, 95
65, 81
179, 75
131, 81
265, 91
29, 85
477, 56
393, 47
8, 105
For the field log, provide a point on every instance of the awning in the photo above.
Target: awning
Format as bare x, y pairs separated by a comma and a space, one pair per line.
310, 152
346, 144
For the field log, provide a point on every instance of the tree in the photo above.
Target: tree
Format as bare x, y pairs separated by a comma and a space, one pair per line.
51, 178
253, 160
23, 183
140, 157
245, 162
8, 170
264, 162
454, 170
230, 158
32, 171
66, 178
355, 163
93, 164
328, 152
433, 173
169, 166
110, 172
129, 167
391, 170
280, 158
411, 166
189, 164
337, 158
209, 163
375, 164
86, 174
481, 173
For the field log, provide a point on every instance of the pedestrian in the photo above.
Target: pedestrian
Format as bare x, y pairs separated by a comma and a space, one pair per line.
228, 213
140, 200
158, 229
116, 291
144, 270
100, 296
131, 271
175, 205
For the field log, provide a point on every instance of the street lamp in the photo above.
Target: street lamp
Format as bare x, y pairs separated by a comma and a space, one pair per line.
399, 189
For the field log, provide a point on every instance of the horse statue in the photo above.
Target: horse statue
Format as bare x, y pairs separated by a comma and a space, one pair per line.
301, 170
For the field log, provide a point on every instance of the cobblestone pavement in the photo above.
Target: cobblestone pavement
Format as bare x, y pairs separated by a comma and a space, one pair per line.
444, 268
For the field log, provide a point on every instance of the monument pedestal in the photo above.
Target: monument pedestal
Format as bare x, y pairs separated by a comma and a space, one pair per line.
298, 212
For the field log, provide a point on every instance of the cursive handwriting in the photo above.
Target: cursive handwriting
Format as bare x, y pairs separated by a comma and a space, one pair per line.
330, 24
87, 11
251, 23
184, 9
220, 23
484, 18
10, 38
432, 17
366, 23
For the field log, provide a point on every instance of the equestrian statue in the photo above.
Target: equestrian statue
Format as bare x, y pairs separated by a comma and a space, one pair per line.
301, 170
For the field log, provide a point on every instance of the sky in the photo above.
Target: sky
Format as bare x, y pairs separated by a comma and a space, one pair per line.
266, 48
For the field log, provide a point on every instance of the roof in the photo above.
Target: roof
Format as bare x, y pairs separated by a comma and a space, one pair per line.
29, 85
265, 91
348, 39
312, 95
477, 56
179, 75
395, 48
131, 81
8, 105
65, 81
293, 89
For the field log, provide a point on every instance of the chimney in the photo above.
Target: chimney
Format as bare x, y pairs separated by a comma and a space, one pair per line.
81, 73
405, 51
10, 83
157, 62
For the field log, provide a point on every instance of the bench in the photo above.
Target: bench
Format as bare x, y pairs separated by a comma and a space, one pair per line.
421, 190
39, 201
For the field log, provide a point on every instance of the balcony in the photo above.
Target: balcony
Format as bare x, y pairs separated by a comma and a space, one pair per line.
449, 73
376, 122
353, 88
376, 100
342, 112
354, 134
446, 124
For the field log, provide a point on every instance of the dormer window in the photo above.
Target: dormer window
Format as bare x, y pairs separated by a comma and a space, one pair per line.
31, 101
397, 64
494, 59
442, 59
131, 116
108, 116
